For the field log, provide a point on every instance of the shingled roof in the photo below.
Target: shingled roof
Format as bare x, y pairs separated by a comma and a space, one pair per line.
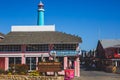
44, 37
110, 43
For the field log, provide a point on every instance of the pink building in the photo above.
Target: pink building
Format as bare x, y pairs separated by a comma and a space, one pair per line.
28, 44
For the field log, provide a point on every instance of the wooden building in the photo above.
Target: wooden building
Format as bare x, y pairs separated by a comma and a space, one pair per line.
108, 53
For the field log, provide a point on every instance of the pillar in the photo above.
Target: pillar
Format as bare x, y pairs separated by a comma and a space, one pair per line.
77, 67
23, 54
65, 62
116, 63
6, 63
23, 58
36, 63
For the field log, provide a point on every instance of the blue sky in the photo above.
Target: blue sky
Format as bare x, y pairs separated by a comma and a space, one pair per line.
89, 19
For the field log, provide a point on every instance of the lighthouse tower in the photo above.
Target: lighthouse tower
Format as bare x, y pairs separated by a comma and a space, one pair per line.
40, 14
40, 23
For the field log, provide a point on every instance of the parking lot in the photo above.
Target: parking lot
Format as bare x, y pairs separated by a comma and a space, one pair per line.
97, 75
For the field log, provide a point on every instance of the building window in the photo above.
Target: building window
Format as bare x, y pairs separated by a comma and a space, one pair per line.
31, 62
39, 59
14, 60
41, 47
61, 59
9, 48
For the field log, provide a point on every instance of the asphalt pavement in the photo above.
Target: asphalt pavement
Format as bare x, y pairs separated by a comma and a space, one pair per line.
97, 75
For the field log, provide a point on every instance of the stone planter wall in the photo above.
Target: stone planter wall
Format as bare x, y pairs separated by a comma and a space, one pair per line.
22, 77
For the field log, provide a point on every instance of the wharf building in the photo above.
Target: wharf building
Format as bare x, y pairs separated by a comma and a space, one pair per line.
108, 55
28, 44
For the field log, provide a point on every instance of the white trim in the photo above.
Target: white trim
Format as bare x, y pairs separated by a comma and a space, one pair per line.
10, 55
37, 55
25, 54
41, 10
33, 28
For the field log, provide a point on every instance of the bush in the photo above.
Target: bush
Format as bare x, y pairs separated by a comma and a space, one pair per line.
19, 69
2, 71
34, 73
9, 73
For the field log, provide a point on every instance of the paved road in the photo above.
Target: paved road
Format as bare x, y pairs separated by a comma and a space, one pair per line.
98, 75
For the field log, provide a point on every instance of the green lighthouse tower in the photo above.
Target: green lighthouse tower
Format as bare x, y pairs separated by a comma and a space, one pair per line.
41, 10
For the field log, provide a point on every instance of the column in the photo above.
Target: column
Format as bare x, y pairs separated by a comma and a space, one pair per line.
23, 47
77, 67
36, 63
23, 58
65, 62
6, 63
23, 53
116, 63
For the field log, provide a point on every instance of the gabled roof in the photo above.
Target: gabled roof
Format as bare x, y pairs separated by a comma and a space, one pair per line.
40, 37
110, 43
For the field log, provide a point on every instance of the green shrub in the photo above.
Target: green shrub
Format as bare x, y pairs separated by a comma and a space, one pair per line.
18, 69
22, 73
9, 73
11, 68
34, 73
2, 71
21, 68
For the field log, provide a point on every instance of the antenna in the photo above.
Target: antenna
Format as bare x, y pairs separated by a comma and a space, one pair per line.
99, 32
